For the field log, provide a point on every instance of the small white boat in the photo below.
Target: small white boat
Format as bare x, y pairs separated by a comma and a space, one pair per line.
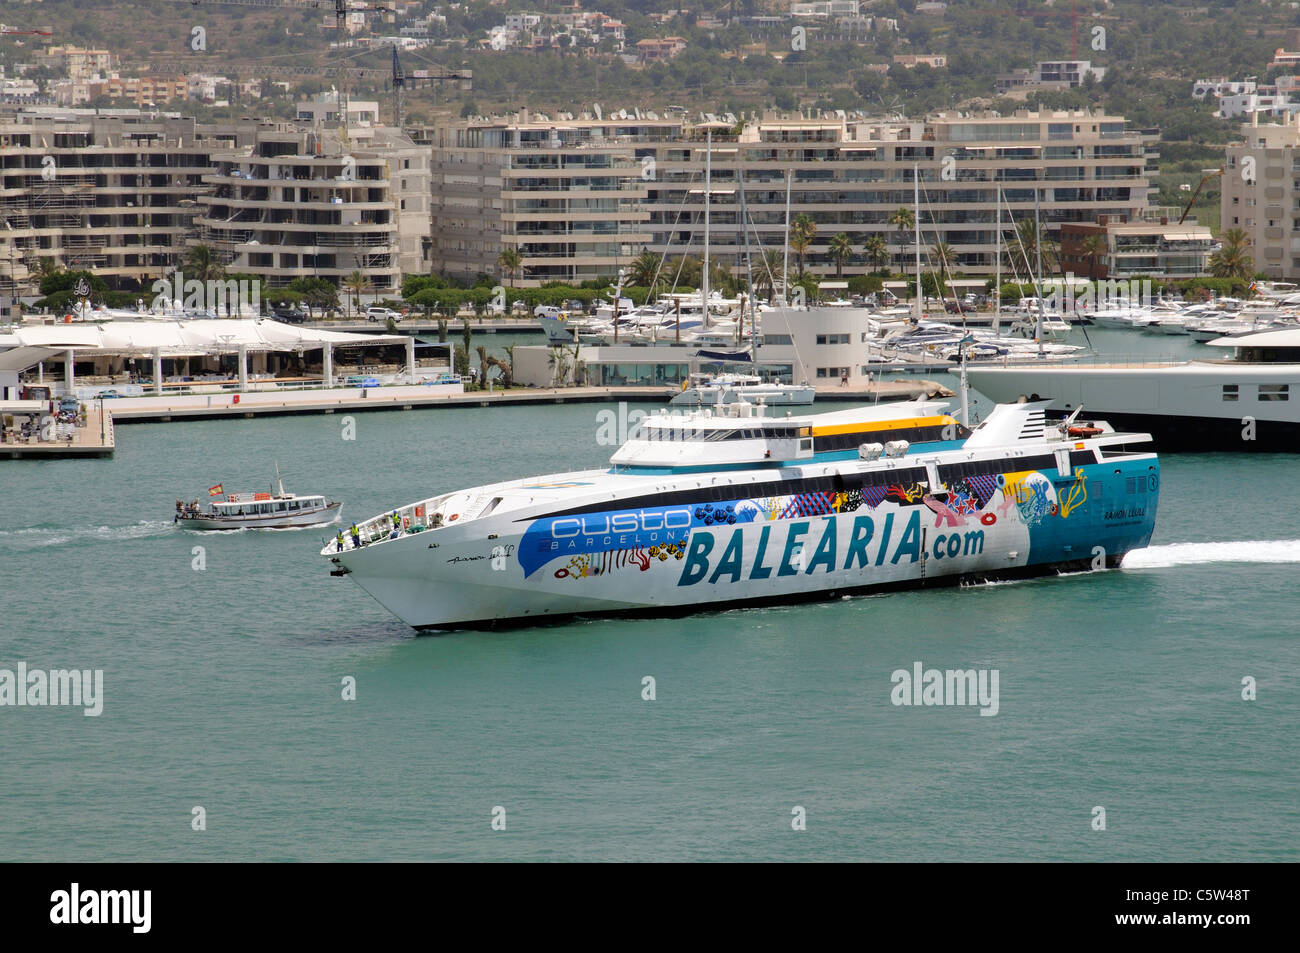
274, 510
712, 390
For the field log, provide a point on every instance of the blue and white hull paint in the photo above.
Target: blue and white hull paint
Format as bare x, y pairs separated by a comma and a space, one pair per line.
671, 539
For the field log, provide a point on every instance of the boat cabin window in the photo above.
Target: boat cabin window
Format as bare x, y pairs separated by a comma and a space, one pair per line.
1274, 392
1230, 391
294, 504
280, 507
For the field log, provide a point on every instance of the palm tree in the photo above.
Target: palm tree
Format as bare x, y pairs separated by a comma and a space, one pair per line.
770, 273
1092, 246
946, 256
357, 284
802, 231
643, 272
1231, 260
509, 261
1025, 246
201, 263
841, 248
876, 251
903, 220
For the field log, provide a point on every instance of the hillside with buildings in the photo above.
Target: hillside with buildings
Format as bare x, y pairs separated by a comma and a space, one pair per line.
565, 141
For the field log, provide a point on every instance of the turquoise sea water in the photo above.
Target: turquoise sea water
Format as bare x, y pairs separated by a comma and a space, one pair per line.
222, 686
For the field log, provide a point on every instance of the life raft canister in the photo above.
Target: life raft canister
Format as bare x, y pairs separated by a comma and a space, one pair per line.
1084, 431
406, 522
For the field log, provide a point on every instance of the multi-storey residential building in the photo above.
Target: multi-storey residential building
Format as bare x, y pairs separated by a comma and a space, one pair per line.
568, 196
75, 62
1050, 74
1155, 245
513, 183
1261, 194
853, 176
125, 196
116, 195
297, 203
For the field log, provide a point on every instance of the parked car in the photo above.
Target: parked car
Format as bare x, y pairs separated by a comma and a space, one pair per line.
288, 314
546, 310
377, 313
520, 307
958, 307
575, 305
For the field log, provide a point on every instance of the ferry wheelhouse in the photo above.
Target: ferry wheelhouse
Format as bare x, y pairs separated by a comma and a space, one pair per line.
716, 510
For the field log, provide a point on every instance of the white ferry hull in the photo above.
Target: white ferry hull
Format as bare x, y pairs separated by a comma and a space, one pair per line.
674, 559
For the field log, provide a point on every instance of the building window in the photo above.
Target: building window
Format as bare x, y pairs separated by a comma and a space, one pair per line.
832, 339
777, 339
1230, 391
1274, 392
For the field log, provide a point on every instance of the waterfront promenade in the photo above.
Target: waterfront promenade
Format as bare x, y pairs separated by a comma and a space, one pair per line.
407, 397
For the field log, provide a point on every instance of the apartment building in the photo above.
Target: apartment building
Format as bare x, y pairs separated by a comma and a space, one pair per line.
126, 195
580, 198
1261, 194
568, 195
852, 176
112, 194
299, 202
1152, 245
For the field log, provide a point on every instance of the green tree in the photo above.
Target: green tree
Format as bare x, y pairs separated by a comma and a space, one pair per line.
201, 262
643, 272
1093, 246
876, 251
357, 283
904, 221
510, 261
802, 231
1231, 260
841, 249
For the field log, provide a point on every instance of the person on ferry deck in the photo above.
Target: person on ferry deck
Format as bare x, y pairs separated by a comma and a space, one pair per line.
356, 536
338, 542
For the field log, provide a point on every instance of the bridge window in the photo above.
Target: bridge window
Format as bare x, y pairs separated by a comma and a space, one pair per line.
1274, 392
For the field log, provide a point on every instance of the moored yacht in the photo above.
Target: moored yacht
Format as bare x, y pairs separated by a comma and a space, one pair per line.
710, 390
713, 511
1239, 404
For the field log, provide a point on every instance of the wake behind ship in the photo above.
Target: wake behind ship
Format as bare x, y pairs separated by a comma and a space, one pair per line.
704, 511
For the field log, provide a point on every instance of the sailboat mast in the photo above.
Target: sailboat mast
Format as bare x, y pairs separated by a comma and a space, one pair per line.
749, 277
916, 224
997, 281
708, 185
785, 264
1038, 274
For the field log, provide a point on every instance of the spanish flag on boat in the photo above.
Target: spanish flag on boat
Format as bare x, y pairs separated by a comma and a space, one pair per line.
215, 490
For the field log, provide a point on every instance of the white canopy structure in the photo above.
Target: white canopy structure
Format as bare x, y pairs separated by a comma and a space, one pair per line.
24, 347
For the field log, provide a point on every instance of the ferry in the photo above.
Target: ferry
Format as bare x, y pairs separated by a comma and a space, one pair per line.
273, 510
714, 389
706, 511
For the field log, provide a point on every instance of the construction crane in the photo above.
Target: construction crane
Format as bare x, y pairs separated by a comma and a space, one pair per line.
1209, 174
